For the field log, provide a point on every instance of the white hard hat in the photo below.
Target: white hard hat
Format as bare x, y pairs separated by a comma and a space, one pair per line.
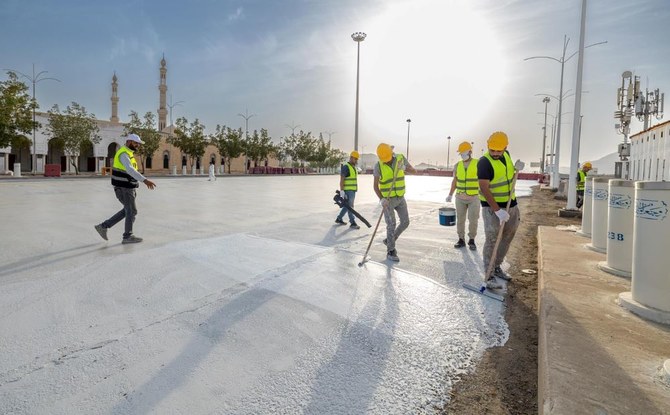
134, 137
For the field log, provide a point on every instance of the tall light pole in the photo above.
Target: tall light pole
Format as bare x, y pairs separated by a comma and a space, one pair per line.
555, 176
448, 151
35, 79
544, 134
292, 127
358, 37
171, 105
408, 123
246, 117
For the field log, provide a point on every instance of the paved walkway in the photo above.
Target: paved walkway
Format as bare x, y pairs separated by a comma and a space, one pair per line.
595, 357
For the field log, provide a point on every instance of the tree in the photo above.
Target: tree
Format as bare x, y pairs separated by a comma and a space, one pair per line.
147, 131
190, 139
229, 142
258, 146
16, 117
304, 148
75, 130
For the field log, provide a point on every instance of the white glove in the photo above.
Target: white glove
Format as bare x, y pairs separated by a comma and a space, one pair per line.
519, 165
449, 198
383, 202
342, 194
502, 215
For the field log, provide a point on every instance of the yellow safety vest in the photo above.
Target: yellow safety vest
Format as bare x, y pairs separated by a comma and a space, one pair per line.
386, 179
501, 185
582, 178
467, 181
351, 181
120, 177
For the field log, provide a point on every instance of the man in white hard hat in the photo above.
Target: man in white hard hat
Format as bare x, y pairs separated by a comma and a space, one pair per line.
125, 179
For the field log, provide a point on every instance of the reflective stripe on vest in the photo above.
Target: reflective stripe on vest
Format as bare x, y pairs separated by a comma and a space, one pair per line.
467, 181
582, 178
503, 173
351, 182
120, 176
386, 179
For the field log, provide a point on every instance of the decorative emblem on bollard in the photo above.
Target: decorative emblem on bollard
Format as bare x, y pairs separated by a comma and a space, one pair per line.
600, 194
651, 209
619, 201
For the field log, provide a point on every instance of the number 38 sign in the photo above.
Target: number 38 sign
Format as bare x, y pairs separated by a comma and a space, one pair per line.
615, 236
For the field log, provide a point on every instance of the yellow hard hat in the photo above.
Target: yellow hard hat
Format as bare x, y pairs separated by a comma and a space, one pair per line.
464, 146
355, 154
384, 152
587, 164
498, 141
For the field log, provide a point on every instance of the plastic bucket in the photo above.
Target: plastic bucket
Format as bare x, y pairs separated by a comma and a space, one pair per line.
447, 216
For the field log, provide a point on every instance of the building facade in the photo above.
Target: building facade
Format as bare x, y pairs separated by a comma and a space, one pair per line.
650, 154
166, 160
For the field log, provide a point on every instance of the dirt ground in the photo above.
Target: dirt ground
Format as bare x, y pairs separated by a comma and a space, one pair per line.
505, 381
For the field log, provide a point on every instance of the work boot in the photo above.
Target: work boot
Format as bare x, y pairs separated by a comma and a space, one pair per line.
471, 245
498, 272
493, 284
340, 221
460, 243
393, 256
131, 240
102, 231
354, 225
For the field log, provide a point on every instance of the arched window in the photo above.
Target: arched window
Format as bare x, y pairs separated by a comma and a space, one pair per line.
212, 159
183, 161
148, 162
166, 160
197, 163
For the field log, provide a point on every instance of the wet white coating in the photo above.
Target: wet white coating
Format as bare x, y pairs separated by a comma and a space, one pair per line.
242, 299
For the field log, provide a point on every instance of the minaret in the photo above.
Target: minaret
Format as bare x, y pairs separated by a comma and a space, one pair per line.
115, 100
162, 110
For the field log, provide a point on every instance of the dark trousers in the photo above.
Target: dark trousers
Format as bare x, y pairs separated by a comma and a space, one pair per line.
127, 198
580, 198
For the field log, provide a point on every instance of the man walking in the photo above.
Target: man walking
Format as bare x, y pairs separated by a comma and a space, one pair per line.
466, 186
348, 189
125, 179
581, 178
389, 185
212, 175
495, 172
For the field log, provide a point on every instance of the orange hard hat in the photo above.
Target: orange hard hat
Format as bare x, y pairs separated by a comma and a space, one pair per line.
384, 152
498, 141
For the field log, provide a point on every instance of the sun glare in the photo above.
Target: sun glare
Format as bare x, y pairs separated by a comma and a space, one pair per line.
435, 60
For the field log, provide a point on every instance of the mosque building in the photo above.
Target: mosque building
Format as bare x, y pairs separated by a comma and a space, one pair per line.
165, 160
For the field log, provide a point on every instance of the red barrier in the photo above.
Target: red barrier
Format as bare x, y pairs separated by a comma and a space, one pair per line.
52, 170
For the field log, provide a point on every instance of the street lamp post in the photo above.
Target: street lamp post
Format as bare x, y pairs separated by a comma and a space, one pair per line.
246, 117
448, 151
171, 105
358, 37
555, 176
408, 123
35, 79
544, 134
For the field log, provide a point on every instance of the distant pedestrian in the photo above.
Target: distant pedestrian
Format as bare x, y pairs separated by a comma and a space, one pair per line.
496, 171
389, 185
348, 189
466, 186
581, 179
212, 176
125, 179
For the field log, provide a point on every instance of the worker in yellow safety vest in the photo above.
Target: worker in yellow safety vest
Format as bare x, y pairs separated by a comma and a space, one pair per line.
495, 171
581, 178
389, 185
125, 179
348, 189
466, 186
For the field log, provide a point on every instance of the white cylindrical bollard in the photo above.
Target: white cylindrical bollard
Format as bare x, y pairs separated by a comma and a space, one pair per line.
599, 215
619, 228
183, 170
650, 286
174, 170
17, 169
587, 208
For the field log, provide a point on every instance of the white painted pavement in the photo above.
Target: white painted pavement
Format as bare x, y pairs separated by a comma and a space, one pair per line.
244, 298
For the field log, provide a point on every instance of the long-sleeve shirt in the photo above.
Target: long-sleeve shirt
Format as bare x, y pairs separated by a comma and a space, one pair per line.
125, 160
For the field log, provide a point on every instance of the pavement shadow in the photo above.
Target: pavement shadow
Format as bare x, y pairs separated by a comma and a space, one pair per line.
171, 376
41, 260
347, 383
610, 389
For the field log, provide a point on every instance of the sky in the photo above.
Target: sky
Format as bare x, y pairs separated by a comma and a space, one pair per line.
454, 67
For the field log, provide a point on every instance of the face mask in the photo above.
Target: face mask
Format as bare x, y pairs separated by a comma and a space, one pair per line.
465, 156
